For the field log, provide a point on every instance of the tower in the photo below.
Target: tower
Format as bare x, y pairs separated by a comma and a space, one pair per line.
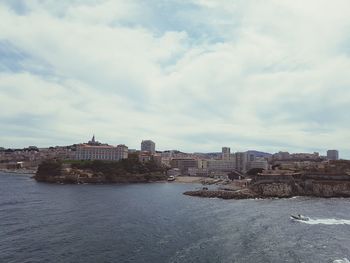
225, 153
148, 146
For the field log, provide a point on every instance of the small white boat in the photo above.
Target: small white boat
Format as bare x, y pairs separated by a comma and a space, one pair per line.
299, 217
171, 178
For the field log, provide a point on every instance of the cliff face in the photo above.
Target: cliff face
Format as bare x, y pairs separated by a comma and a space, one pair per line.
305, 188
284, 186
331, 189
273, 190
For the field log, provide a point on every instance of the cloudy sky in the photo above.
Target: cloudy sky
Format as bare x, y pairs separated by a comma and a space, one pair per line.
193, 75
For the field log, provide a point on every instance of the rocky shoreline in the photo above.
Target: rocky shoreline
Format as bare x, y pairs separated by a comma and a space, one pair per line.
224, 194
28, 172
277, 189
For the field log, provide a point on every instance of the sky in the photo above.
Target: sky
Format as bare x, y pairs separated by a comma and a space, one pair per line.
192, 75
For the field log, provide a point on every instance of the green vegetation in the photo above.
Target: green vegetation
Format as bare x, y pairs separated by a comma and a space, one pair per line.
131, 165
124, 171
255, 171
48, 169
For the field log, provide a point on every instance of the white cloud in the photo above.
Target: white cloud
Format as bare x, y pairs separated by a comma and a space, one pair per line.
275, 76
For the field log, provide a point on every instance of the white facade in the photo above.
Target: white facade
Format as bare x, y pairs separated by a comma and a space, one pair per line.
101, 152
221, 165
241, 159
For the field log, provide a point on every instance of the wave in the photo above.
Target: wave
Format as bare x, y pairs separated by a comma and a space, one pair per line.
327, 221
344, 260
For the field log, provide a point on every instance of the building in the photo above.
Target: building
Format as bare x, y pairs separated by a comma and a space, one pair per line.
296, 156
184, 164
251, 157
226, 153
332, 155
260, 163
93, 150
241, 160
221, 165
145, 157
101, 152
305, 156
192, 171
202, 163
281, 156
93, 141
148, 146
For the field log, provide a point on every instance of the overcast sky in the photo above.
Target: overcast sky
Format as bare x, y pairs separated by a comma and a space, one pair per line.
193, 75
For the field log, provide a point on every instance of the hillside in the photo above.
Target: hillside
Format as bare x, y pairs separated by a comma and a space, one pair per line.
129, 170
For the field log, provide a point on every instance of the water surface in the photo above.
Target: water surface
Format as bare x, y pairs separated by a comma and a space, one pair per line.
156, 223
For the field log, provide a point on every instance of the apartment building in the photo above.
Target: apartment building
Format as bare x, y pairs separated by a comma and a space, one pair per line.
148, 146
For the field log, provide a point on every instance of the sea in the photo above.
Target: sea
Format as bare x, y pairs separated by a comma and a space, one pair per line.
155, 222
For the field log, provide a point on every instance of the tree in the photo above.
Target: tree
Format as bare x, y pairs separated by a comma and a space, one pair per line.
48, 168
255, 171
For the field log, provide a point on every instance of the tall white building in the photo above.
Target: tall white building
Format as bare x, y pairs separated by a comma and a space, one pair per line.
148, 146
225, 153
241, 160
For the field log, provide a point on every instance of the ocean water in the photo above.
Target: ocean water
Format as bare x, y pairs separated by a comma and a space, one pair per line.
157, 223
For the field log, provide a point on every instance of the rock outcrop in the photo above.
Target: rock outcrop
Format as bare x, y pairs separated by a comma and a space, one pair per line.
224, 194
96, 172
286, 186
306, 185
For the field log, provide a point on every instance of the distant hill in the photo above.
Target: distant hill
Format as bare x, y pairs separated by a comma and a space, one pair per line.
259, 154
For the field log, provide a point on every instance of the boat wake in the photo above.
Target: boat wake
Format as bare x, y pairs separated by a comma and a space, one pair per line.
326, 221
344, 260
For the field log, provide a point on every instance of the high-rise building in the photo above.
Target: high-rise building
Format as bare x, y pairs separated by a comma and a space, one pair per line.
148, 146
226, 152
332, 155
241, 160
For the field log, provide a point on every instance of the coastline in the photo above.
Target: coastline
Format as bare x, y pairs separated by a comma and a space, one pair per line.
196, 180
129, 179
27, 172
260, 186
281, 189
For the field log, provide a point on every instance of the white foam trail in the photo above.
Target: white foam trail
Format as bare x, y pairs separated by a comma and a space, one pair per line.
344, 260
327, 221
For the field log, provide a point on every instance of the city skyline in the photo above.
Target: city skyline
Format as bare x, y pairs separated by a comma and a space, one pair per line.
224, 149
194, 76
